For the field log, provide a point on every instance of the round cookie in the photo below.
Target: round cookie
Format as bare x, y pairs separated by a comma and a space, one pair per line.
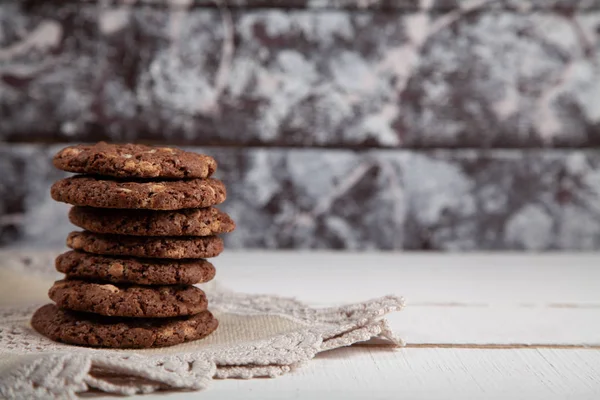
188, 222
134, 161
128, 301
146, 247
140, 271
99, 331
155, 195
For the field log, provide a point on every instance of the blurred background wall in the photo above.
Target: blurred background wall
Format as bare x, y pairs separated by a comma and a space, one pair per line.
443, 125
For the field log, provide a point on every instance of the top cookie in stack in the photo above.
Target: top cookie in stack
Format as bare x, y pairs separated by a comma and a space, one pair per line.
134, 161
149, 224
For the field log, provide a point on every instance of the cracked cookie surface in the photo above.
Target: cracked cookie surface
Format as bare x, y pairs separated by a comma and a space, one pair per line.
141, 271
98, 331
146, 247
153, 195
188, 222
134, 161
128, 301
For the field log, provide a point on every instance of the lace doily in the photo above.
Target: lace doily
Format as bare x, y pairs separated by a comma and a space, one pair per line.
258, 336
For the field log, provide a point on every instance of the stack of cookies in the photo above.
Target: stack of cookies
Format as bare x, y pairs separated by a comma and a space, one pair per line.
149, 223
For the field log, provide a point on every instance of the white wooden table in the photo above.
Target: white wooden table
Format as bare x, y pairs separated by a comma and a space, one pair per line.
476, 326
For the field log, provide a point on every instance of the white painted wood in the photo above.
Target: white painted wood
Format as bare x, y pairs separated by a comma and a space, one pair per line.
376, 373
481, 299
497, 325
475, 279
455, 300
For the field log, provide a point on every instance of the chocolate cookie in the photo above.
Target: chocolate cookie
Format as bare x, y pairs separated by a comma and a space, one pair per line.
154, 195
128, 301
99, 331
147, 247
188, 222
139, 271
134, 161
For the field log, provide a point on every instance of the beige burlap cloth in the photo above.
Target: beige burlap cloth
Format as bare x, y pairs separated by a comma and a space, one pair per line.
258, 336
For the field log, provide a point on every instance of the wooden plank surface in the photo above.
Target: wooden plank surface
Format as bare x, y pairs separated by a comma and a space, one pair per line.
455, 302
375, 373
482, 326
452, 299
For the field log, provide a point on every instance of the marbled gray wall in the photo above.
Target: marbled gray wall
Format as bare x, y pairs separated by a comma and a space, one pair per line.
447, 200
325, 115
443, 73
